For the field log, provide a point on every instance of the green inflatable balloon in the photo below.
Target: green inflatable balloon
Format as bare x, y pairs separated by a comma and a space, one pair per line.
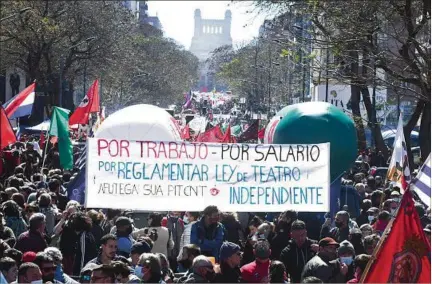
319, 122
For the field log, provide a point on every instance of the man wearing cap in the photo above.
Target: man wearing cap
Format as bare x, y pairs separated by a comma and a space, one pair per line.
229, 258
258, 270
298, 252
319, 266
346, 255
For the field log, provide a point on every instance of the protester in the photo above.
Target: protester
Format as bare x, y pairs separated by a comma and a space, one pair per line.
341, 231
298, 252
363, 218
175, 226
343, 265
258, 270
189, 219
123, 232
57, 257
282, 232
233, 231
370, 242
189, 252
29, 272
108, 251
360, 263
149, 269
6, 233
229, 268
13, 217
103, 273
123, 274
319, 266
203, 271
47, 267
277, 272
34, 238
208, 233
9, 269
137, 250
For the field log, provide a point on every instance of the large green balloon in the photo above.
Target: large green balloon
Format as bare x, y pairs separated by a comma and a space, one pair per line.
319, 122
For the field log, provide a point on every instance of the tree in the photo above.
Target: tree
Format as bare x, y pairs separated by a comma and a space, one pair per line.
375, 43
94, 39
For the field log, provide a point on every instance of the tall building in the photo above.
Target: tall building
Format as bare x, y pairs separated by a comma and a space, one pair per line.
145, 18
209, 34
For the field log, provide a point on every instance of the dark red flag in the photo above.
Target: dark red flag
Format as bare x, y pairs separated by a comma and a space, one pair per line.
213, 135
7, 135
403, 253
227, 136
261, 133
82, 112
251, 132
42, 140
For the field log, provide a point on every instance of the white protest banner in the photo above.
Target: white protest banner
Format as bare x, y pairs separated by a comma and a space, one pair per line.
162, 176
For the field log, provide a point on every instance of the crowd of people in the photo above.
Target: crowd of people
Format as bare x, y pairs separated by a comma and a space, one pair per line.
46, 238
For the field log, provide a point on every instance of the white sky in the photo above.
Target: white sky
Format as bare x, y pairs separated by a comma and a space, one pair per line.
177, 18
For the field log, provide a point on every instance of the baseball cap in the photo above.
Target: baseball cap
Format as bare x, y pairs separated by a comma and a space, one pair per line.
227, 250
29, 256
328, 242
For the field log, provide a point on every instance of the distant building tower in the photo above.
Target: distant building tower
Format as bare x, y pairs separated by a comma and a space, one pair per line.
210, 34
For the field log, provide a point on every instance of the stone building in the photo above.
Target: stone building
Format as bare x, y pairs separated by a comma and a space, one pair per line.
209, 34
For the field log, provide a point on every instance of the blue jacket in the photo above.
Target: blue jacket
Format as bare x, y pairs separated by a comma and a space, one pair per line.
209, 242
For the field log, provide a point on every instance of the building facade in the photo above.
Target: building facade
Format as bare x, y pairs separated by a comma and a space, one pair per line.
209, 34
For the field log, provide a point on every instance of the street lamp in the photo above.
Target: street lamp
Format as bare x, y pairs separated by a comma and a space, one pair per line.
62, 67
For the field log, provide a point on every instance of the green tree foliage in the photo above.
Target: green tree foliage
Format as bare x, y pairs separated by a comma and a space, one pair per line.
100, 38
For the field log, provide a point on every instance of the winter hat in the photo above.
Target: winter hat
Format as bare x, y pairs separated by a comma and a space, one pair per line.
227, 250
346, 247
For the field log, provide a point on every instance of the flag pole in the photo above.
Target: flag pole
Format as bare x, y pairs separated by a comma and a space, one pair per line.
47, 141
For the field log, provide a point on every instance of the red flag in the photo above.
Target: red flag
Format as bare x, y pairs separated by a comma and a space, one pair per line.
403, 253
186, 132
227, 136
214, 134
41, 140
251, 132
22, 104
7, 135
261, 133
82, 112
95, 107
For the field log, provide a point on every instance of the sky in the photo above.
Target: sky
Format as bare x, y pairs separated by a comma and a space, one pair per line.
177, 18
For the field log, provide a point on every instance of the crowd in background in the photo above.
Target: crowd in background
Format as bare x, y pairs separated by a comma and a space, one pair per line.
47, 238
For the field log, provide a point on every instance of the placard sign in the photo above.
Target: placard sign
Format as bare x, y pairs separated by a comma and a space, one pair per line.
170, 176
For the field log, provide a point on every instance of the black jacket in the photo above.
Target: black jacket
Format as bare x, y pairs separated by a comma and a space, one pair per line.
295, 258
228, 275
